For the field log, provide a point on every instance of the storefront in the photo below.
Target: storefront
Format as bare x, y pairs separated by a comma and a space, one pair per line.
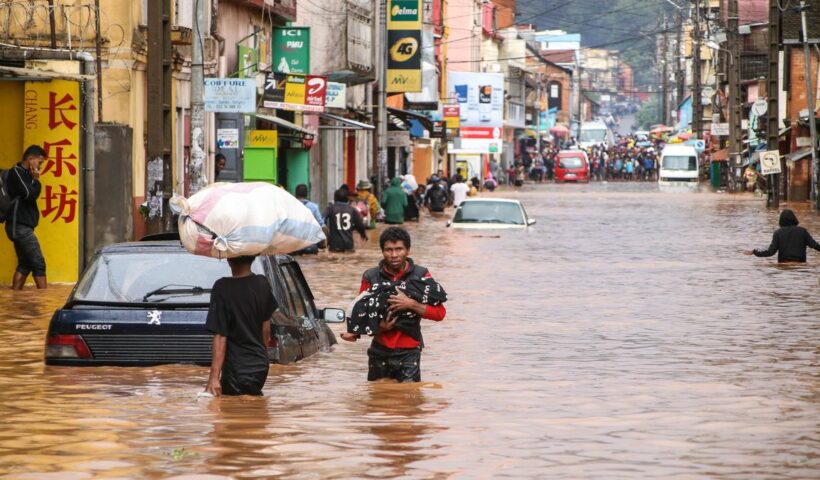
49, 109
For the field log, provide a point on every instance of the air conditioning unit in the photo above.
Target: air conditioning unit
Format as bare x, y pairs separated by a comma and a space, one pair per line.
495, 67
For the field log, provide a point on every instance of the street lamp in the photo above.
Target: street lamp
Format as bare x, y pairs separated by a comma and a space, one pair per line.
714, 46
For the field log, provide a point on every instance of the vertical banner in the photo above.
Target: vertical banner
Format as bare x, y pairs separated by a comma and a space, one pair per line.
290, 48
52, 120
404, 46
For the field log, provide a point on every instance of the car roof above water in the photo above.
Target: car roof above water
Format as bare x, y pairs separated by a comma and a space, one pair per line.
677, 149
153, 246
489, 200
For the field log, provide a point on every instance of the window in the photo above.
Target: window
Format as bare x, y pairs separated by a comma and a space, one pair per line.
280, 288
680, 162
300, 307
129, 276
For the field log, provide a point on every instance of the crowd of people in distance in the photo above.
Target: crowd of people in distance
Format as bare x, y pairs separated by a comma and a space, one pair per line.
629, 158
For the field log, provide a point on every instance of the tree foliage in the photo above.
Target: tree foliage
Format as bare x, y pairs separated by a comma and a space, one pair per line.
649, 114
629, 26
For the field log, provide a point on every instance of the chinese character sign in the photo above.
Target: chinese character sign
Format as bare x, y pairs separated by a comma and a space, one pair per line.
52, 120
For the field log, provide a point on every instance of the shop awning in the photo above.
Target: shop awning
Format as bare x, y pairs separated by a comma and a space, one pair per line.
798, 155
348, 124
406, 115
33, 74
285, 124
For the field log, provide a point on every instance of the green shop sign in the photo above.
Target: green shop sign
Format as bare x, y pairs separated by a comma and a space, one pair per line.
290, 48
246, 63
404, 11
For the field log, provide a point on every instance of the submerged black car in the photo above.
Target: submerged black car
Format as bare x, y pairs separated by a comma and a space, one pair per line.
145, 303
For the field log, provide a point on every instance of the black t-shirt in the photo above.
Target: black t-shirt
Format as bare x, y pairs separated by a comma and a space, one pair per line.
238, 308
437, 198
341, 219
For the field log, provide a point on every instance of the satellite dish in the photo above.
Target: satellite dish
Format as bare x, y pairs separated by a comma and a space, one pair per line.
760, 107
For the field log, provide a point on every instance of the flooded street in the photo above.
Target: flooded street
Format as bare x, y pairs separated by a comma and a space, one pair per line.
624, 336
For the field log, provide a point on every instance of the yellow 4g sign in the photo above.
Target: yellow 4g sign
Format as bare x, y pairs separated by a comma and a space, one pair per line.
404, 46
404, 49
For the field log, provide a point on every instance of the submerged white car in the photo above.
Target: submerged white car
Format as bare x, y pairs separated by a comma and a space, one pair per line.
490, 213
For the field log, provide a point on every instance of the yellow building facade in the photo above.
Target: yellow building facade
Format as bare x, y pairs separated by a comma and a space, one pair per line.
30, 64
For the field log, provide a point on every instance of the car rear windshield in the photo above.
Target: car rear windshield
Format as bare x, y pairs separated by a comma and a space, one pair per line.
680, 162
489, 212
570, 162
592, 135
174, 277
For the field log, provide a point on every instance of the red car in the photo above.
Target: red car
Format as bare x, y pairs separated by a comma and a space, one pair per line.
572, 166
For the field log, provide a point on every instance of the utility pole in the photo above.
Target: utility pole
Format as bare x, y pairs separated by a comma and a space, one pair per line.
679, 78
697, 103
773, 92
198, 156
735, 145
381, 65
158, 146
815, 179
98, 42
665, 73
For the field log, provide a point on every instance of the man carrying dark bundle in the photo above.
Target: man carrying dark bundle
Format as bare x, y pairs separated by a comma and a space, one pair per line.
396, 348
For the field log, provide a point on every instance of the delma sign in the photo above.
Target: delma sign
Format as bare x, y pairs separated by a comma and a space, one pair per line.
404, 11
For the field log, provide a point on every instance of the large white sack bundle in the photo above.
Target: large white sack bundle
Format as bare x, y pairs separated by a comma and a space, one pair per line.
226, 220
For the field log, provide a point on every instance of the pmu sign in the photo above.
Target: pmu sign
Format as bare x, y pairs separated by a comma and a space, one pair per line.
404, 46
291, 50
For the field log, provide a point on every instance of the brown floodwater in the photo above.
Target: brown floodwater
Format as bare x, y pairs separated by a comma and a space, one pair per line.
624, 336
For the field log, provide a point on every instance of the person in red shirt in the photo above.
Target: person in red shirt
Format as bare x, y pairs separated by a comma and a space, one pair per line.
396, 352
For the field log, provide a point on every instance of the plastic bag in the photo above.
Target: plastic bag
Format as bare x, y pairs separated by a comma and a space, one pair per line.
409, 184
227, 220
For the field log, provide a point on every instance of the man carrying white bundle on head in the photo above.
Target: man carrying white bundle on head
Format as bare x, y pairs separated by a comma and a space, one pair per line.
239, 317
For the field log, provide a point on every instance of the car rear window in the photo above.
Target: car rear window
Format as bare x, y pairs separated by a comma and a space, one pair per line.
128, 277
489, 212
570, 162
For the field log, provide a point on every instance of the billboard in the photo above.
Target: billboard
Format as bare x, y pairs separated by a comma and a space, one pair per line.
291, 50
304, 93
480, 97
404, 46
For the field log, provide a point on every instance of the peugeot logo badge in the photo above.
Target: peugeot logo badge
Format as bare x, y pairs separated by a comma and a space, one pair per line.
154, 317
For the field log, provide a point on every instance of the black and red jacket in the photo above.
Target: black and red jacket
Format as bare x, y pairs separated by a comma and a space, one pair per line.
407, 337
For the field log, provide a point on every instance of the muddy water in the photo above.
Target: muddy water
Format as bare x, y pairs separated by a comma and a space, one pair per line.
624, 336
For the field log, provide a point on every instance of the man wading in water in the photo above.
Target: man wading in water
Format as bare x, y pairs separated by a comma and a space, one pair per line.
789, 241
396, 353
239, 317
